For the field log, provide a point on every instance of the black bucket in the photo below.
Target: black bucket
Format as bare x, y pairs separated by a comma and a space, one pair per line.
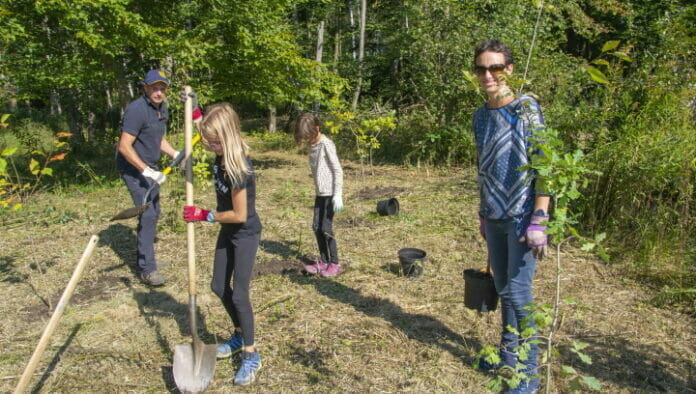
412, 260
388, 207
479, 291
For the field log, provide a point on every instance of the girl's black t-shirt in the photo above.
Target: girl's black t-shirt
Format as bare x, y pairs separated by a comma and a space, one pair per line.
223, 190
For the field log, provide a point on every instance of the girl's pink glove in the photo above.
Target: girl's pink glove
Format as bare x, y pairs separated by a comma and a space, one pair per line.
196, 214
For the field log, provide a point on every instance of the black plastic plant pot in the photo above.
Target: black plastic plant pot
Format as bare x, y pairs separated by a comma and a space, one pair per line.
479, 291
412, 260
388, 207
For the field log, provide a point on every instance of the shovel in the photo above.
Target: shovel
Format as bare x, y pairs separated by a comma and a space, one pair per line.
137, 210
194, 363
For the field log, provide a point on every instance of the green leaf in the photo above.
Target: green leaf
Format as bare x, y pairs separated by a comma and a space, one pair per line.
9, 151
3, 166
597, 75
47, 171
601, 62
580, 345
568, 370
592, 382
33, 166
584, 358
609, 45
600, 237
4, 117
622, 56
588, 246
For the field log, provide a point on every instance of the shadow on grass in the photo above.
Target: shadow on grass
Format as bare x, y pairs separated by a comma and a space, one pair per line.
284, 250
56, 359
153, 304
422, 328
121, 239
636, 367
7, 271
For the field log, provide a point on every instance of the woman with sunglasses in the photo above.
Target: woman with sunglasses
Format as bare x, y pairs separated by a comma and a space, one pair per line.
512, 204
240, 230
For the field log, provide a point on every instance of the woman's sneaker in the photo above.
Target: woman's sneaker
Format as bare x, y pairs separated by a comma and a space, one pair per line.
251, 363
333, 269
316, 268
232, 346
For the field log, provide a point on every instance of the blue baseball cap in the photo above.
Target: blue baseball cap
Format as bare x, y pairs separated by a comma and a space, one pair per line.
154, 76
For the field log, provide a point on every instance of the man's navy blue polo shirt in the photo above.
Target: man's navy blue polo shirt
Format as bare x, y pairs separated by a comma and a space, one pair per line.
148, 124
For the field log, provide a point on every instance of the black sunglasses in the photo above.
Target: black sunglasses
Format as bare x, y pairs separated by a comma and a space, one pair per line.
494, 69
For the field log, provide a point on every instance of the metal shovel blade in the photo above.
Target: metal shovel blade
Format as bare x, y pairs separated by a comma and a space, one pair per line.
194, 366
130, 212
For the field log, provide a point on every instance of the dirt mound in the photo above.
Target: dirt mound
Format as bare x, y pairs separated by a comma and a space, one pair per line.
379, 192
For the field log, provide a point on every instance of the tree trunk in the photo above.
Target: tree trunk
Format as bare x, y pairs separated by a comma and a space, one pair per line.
337, 49
319, 54
272, 121
320, 42
56, 109
351, 14
361, 53
73, 115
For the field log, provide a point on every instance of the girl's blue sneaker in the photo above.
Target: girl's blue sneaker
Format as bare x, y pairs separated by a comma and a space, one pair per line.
251, 363
231, 347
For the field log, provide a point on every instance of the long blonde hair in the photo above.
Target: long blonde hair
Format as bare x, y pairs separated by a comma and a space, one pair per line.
221, 123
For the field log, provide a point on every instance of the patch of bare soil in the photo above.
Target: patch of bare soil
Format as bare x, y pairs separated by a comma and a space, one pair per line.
379, 192
276, 267
345, 222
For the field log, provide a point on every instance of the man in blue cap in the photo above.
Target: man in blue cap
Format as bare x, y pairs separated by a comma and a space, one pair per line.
139, 149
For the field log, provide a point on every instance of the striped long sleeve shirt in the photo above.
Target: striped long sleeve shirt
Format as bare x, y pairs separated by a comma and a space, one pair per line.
326, 169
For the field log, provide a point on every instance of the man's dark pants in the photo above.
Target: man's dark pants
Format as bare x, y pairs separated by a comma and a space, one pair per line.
137, 185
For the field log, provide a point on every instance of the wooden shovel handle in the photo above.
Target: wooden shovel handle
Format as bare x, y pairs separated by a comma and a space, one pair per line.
190, 239
57, 313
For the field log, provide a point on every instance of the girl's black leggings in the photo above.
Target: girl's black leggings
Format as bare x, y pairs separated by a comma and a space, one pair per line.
234, 260
323, 229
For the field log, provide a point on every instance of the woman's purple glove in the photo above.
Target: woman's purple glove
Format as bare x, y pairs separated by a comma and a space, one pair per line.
536, 236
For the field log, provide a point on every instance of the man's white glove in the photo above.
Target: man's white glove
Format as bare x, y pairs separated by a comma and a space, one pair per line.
337, 203
156, 176
178, 159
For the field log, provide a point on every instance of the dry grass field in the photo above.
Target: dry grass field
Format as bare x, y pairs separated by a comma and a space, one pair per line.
368, 330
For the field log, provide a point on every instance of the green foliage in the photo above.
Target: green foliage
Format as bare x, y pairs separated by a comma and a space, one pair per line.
18, 183
273, 141
365, 130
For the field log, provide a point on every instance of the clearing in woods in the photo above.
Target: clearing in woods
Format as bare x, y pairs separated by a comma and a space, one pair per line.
368, 330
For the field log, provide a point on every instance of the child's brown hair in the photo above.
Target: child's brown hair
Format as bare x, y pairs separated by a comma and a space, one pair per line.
307, 127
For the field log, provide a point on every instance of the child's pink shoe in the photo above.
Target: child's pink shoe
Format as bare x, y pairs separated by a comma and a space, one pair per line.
316, 268
333, 269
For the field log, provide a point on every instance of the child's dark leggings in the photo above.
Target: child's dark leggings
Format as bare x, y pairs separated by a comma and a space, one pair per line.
323, 228
234, 259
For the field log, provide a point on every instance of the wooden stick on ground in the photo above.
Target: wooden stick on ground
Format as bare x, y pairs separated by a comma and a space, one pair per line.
57, 313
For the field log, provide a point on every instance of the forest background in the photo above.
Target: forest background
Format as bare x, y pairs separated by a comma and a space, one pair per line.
393, 82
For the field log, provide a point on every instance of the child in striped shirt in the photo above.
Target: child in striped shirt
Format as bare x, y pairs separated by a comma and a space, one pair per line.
328, 180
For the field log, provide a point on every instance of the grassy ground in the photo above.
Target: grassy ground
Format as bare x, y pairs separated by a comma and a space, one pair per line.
368, 330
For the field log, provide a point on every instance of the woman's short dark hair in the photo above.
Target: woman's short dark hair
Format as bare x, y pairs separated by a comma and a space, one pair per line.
494, 46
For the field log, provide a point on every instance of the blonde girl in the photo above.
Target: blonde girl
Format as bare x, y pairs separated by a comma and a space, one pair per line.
240, 231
